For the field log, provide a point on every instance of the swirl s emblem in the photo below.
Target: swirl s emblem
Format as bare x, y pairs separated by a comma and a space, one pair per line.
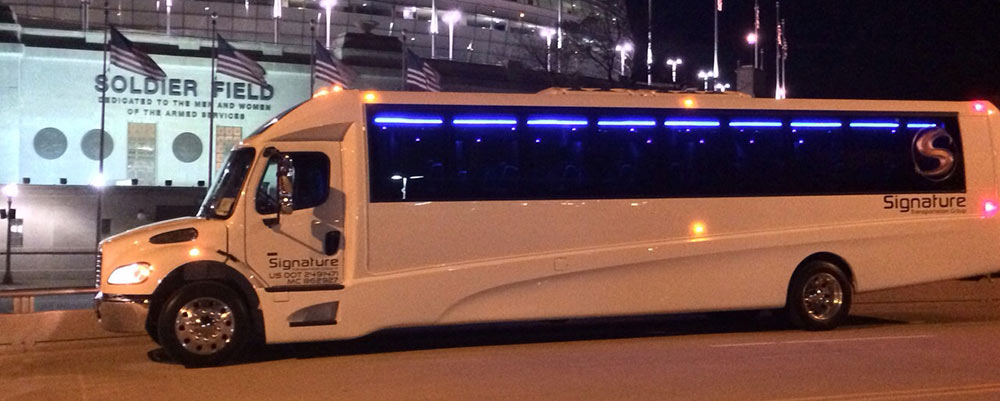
934, 154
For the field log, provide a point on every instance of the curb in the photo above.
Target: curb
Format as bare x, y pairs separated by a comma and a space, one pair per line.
23, 332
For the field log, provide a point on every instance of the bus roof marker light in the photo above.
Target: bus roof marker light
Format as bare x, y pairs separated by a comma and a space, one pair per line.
689, 103
979, 106
989, 208
369, 97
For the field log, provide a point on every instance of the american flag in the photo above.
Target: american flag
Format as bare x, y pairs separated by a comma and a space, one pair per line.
332, 70
125, 55
421, 75
238, 65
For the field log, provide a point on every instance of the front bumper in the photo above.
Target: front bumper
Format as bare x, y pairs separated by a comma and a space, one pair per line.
122, 313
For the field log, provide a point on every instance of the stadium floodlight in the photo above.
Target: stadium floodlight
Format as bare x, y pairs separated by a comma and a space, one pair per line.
328, 8
451, 18
623, 49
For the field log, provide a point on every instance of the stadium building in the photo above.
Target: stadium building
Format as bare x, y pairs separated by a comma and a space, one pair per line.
156, 132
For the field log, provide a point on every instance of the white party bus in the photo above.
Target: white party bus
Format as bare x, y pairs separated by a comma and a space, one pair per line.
360, 211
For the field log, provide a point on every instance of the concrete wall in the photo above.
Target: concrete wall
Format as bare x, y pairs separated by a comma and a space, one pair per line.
11, 55
60, 225
57, 88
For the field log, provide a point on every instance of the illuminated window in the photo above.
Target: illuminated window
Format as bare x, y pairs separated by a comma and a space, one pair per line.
142, 153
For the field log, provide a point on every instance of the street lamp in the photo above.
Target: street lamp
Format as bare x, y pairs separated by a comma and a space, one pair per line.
719, 87
10, 191
548, 33
276, 15
751, 38
328, 7
623, 49
405, 180
170, 5
450, 18
706, 75
673, 63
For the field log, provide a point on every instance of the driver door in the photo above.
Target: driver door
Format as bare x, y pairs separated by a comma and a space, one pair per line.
301, 250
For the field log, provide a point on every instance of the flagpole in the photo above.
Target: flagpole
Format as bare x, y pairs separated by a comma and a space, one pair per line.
100, 152
756, 33
312, 58
434, 28
715, 65
403, 54
777, 50
211, 105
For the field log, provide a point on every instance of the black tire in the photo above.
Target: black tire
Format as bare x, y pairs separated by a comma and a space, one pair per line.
213, 328
819, 296
153, 331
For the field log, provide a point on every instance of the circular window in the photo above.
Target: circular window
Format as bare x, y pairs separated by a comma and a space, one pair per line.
50, 143
91, 144
187, 147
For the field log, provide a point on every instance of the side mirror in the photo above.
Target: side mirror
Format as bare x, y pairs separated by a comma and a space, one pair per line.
286, 184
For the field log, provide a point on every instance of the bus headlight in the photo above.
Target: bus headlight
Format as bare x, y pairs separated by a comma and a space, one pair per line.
134, 273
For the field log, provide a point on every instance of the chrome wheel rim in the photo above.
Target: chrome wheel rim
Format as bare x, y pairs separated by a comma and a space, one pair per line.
822, 296
204, 325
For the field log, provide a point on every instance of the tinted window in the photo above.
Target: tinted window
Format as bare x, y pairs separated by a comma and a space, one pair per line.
442, 153
311, 186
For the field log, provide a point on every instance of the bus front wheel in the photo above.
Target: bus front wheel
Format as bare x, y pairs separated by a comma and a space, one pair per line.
204, 324
819, 296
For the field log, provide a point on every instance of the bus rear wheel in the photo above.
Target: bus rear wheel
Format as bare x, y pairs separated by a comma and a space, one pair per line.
204, 324
819, 296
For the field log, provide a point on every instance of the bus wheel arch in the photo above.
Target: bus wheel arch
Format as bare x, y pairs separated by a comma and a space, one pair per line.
204, 271
820, 292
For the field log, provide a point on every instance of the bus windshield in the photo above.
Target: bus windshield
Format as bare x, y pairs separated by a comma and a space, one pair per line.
221, 198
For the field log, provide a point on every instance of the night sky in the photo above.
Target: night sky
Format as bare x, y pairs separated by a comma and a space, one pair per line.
874, 49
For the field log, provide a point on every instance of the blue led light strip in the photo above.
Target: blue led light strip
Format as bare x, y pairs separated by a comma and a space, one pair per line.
484, 121
873, 124
626, 123
691, 123
816, 124
409, 120
756, 124
557, 122
920, 125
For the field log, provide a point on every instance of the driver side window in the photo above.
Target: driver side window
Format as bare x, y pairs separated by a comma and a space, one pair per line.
311, 186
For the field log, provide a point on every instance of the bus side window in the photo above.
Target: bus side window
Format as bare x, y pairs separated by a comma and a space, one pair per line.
759, 161
421, 154
312, 182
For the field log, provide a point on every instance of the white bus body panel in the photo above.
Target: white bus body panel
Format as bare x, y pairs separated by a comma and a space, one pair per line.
428, 263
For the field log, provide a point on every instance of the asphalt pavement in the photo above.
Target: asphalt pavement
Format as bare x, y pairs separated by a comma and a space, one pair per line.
936, 342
